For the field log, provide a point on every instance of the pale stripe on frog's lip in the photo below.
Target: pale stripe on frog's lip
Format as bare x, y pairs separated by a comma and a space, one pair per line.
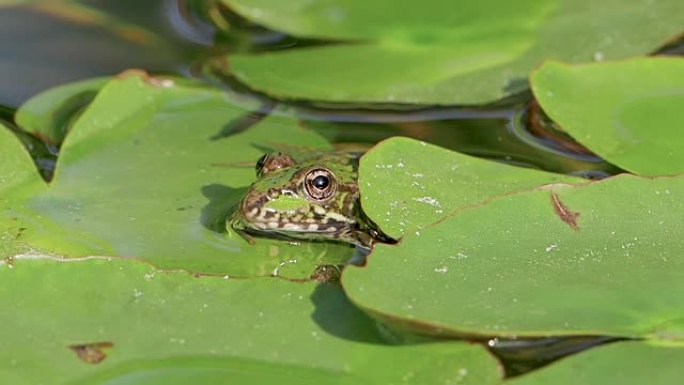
295, 227
262, 215
330, 223
337, 217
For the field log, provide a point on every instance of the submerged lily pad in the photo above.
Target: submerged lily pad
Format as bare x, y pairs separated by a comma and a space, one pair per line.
629, 112
118, 320
147, 171
436, 52
598, 259
622, 363
427, 183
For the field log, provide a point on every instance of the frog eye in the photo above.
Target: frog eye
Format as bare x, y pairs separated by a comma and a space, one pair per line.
272, 162
320, 184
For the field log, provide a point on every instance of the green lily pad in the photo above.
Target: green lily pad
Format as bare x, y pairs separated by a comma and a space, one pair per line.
428, 182
627, 112
622, 363
49, 115
16, 165
146, 172
431, 52
121, 320
598, 259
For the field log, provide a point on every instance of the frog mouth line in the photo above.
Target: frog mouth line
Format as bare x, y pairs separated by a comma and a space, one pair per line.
318, 227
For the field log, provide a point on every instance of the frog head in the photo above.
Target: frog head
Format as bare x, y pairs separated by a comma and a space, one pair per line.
315, 198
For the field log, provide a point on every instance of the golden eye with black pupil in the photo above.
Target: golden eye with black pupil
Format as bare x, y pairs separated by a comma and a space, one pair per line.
320, 184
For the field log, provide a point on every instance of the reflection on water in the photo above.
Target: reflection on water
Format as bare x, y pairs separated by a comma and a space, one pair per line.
50, 43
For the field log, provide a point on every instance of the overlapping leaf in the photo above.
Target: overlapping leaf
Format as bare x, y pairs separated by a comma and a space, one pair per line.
628, 112
49, 115
16, 166
597, 259
428, 182
441, 52
157, 327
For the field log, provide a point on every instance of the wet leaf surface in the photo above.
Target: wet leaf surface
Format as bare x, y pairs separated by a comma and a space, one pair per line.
633, 118
16, 166
429, 182
608, 261
470, 54
166, 326
50, 114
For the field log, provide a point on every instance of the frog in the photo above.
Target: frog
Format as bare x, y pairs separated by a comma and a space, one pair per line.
312, 197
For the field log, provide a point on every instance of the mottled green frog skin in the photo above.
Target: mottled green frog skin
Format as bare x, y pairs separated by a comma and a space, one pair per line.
313, 198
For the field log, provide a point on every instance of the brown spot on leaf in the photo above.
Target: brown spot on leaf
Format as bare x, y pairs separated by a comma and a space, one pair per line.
91, 353
566, 215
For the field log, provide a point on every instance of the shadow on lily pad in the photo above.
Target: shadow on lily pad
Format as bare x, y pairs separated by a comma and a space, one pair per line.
328, 298
222, 202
